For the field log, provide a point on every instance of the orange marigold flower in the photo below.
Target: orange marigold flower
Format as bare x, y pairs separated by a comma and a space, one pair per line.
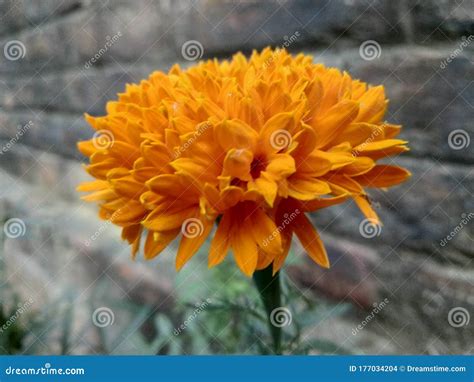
251, 143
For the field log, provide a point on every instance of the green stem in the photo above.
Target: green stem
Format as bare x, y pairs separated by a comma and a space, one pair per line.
268, 286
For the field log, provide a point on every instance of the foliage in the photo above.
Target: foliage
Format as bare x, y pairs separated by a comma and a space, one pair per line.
234, 322
223, 315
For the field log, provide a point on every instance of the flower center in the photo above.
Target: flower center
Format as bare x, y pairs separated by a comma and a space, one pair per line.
257, 166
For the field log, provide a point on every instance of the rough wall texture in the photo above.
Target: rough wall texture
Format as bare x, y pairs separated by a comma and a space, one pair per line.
66, 57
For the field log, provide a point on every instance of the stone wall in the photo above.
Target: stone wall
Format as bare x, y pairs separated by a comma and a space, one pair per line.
66, 57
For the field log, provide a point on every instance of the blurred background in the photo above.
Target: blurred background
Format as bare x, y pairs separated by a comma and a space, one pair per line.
68, 285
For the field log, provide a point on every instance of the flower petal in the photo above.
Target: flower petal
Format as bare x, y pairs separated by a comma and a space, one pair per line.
315, 165
280, 166
133, 234
156, 242
131, 212
236, 134
306, 142
316, 204
372, 105
265, 232
307, 188
390, 130
286, 236
337, 159
359, 132
159, 220
95, 185
310, 240
237, 163
221, 241
281, 121
128, 187
366, 208
264, 260
191, 243
327, 128
245, 249
361, 165
383, 176
265, 186
378, 145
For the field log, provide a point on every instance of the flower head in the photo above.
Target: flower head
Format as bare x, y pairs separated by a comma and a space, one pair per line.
253, 144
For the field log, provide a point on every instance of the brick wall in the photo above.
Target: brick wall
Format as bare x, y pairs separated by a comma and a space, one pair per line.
63, 58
